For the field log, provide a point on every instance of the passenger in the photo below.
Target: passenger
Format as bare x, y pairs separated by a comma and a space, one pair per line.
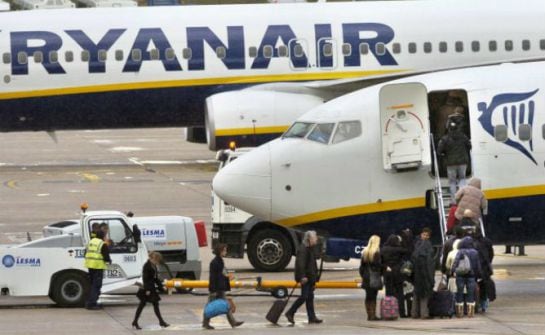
407, 241
219, 282
306, 273
455, 147
393, 255
424, 272
467, 268
467, 223
459, 233
371, 273
453, 104
486, 256
106, 230
149, 292
451, 219
94, 228
97, 256
471, 197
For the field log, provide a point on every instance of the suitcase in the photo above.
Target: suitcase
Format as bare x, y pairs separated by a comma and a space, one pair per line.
442, 304
277, 309
389, 308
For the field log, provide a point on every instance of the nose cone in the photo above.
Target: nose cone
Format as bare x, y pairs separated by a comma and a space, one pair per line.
246, 182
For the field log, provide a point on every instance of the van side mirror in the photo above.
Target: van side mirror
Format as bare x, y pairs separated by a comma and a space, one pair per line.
136, 233
431, 199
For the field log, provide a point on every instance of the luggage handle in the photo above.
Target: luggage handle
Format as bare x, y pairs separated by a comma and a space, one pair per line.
291, 293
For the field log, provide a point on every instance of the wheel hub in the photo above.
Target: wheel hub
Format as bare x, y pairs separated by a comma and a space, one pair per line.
270, 251
71, 290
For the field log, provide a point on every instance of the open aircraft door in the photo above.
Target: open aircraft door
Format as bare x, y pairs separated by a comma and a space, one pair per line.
404, 121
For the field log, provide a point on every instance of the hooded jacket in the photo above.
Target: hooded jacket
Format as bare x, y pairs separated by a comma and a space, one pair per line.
471, 197
466, 247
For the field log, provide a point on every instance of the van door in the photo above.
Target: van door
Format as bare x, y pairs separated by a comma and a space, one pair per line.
404, 122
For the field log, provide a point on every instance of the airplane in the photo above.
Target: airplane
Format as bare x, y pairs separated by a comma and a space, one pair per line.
244, 72
365, 163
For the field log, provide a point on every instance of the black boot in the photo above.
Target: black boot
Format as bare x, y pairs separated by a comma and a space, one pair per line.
206, 324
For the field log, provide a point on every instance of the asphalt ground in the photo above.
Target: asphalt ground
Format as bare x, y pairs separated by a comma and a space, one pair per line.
155, 172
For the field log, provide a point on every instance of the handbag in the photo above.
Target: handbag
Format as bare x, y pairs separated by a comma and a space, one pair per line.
375, 279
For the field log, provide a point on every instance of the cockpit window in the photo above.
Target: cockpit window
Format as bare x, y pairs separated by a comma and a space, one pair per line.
322, 133
347, 130
298, 130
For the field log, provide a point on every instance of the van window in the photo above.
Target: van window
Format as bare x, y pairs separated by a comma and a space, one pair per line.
119, 234
298, 130
6, 57
500, 133
321, 133
347, 130
525, 132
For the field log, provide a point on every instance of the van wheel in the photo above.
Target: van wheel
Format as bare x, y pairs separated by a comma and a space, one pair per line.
269, 250
70, 289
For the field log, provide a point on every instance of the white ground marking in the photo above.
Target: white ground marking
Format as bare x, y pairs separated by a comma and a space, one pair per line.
125, 149
42, 194
103, 141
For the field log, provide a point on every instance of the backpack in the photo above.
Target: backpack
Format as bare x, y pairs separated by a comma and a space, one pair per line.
464, 266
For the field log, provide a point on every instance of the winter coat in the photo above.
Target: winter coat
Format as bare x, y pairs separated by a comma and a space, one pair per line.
393, 257
455, 146
151, 284
471, 197
305, 264
486, 255
217, 280
466, 247
451, 256
366, 267
447, 248
424, 268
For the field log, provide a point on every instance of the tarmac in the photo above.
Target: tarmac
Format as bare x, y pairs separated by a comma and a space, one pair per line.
155, 172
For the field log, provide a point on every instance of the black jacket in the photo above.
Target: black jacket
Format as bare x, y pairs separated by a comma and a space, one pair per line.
486, 255
393, 257
424, 268
217, 279
455, 146
151, 283
365, 269
305, 264
105, 251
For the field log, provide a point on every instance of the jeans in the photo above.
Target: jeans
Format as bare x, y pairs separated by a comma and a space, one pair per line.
95, 278
307, 298
469, 284
455, 173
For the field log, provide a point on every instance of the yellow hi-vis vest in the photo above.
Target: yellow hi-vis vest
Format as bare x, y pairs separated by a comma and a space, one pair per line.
93, 256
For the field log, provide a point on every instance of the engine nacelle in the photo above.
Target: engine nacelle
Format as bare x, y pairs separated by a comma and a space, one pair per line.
253, 117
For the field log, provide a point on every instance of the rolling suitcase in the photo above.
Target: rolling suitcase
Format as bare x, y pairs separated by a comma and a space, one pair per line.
277, 308
442, 304
389, 308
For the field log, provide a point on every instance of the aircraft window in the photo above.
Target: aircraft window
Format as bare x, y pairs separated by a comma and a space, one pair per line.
525, 132
492, 45
443, 47
508, 45
53, 56
102, 55
252, 51
364, 48
542, 44
526, 45
69, 56
170, 54
268, 51
459, 46
154, 54
6, 57
38, 57
412, 48
298, 50
346, 131
85, 56
221, 52
119, 55
136, 55
298, 130
396, 48
347, 49
380, 49
500, 133
543, 131
22, 57
321, 133
427, 47
282, 51
187, 53
327, 49
475, 46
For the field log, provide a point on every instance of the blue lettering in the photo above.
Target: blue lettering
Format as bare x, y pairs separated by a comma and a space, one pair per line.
19, 43
271, 37
351, 35
234, 53
323, 37
142, 42
96, 65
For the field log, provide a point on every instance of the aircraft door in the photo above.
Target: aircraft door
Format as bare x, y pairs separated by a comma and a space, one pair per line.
404, 121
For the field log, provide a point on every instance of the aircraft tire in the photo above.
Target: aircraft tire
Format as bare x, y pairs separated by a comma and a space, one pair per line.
269, 250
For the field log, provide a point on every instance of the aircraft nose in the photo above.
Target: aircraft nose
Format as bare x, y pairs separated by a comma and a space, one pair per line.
246, 182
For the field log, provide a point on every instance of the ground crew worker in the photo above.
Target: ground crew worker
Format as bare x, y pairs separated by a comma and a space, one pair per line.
94, 228
97, 257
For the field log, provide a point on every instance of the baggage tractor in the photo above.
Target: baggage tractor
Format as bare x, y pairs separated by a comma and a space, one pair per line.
277, 308
389, 308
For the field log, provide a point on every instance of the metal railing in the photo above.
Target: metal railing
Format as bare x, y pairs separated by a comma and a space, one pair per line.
439, 192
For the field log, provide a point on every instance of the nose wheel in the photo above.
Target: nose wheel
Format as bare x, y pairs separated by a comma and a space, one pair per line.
269, 250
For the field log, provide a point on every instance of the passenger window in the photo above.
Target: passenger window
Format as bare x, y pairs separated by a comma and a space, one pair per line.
268, 51
252, 52
526, 45
508, 45
327, 49
102, 55
170, 54
427, 47
136, 55
154, 54
493, 46
38, 57
282, 51
53, 57
85, 56
221, 52
22, 57
69, 56
542, 44
298, 130
187, 53
396, 48
347, 49
347, 130
364, 48
119, 55
321, 133
525, 132
412, 48
443, 47
475, 46
380, 49
500, 133
6, 57
459, 46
